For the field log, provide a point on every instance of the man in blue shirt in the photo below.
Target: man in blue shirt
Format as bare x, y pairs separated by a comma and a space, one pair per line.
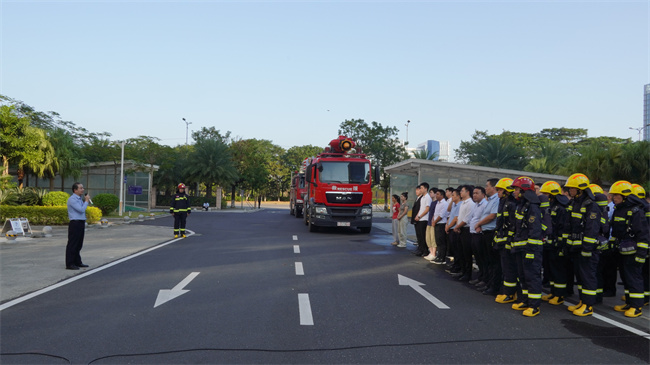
77, 205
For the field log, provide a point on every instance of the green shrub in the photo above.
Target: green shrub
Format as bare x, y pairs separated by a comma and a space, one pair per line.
8, 197
45, 215
106, 202
56, 199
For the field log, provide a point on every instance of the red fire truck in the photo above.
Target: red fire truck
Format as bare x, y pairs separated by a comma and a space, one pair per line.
339, 188
298, 191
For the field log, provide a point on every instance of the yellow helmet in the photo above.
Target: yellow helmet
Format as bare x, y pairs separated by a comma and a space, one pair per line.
551, 187
579, 181
596, 189
505, 184
638, 190
621, 187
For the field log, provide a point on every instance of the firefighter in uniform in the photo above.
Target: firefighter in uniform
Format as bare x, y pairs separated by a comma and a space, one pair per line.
554, 244
639, 191
603, 272
180, 209
582, 240
504, 231
630, 237
527, 246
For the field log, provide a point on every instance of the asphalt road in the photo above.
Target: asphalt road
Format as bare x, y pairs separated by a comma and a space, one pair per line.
259, 288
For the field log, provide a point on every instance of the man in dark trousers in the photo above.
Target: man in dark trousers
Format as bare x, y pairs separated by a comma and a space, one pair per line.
77, 205
180, 209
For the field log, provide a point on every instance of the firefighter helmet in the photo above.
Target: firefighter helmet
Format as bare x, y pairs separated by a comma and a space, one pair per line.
638, 190
505, 184
524, 183
579, 181
621, 187
181, 186
596, 189
551, 187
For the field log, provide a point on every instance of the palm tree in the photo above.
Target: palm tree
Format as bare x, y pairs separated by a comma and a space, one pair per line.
210, 162
549, 157
67, 161
424, 154
497, 151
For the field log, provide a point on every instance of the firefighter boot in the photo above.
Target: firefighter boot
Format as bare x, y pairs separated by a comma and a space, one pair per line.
531, 312
585, 310
520, 306
556, 300
183, 235
505, 299
633, 312
571, 308
622, 307
175, 236
547, 297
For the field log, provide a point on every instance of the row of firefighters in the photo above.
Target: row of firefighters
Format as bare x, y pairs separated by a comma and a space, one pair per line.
581, 236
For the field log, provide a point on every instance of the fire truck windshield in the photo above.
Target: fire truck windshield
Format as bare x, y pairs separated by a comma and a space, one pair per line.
345, 172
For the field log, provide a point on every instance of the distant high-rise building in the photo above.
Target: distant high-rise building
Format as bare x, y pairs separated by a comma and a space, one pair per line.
440, 148
646, 113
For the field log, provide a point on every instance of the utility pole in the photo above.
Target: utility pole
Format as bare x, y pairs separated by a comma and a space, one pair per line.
407, 132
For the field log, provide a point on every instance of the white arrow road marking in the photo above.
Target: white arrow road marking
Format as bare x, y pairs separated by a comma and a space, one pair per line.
416, 285
165, 295
305, 310
296, 249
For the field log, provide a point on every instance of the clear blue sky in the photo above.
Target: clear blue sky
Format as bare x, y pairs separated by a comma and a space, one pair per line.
292, 71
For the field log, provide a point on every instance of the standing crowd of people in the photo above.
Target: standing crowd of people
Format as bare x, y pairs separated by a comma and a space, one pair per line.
524, 236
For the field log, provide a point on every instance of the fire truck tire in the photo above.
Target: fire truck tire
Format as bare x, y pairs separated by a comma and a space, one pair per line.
365, 229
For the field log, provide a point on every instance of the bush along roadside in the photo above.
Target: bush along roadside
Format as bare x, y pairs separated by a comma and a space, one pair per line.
38, 215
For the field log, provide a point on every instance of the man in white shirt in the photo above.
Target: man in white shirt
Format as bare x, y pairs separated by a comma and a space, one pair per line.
465, 247
477, 237
440, 215
421, 219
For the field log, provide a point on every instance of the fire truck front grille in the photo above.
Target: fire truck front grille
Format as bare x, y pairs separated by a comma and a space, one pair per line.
343, 214
343, 197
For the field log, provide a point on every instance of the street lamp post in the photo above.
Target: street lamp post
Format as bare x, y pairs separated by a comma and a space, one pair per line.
638, 131
187, 126
122, 180
407, 131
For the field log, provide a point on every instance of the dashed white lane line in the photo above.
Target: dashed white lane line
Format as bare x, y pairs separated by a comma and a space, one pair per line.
306, 318
296, 249
295, 237
299, 269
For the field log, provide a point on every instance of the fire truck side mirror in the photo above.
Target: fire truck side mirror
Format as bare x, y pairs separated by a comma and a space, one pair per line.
375, 175
308, 175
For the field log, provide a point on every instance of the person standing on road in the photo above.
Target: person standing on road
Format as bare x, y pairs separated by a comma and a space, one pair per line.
77, 205
402, 217
420, 218
430, 232
440, 215
486, 226
464, 254
395, 221
180, 209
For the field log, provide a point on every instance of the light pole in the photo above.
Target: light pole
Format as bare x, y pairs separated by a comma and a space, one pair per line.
187, 126
638, 130
407, 131
122, 179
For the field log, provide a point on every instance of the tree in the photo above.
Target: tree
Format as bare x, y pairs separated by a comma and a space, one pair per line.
500, 151
210, 162
23, 144
67, 157
563, 135
425, 154
295, 155
252, 158
548, 157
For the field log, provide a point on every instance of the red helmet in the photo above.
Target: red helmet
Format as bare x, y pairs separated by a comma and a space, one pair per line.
181, 186
524, 183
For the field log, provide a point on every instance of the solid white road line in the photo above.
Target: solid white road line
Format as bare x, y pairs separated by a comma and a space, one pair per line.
299, 269
296, 249
306, 318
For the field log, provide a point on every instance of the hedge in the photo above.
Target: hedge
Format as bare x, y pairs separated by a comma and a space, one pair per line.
41, 216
